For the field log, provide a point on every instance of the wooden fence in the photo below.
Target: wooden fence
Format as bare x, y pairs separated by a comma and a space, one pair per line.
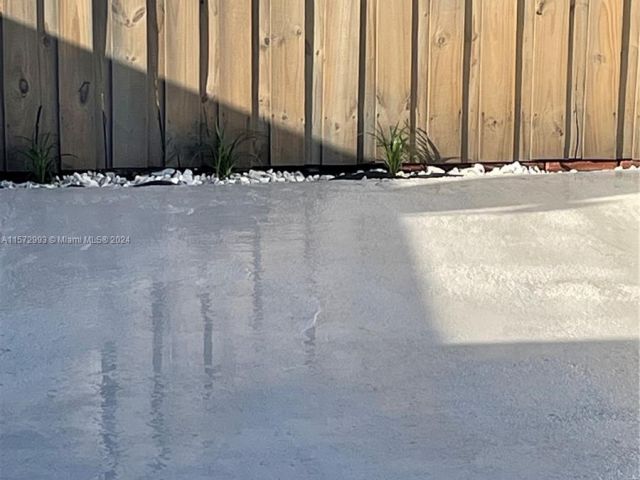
139, 83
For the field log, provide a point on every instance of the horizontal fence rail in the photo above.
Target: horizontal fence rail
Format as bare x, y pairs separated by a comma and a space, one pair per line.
143, 83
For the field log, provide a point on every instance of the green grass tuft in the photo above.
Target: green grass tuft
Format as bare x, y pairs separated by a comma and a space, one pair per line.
394, 145
41, 152
220, 153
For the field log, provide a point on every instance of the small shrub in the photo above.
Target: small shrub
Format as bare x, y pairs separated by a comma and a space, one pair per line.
395, 146
40, 151
220, 153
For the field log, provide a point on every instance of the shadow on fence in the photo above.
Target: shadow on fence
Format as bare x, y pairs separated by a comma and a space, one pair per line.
107, 114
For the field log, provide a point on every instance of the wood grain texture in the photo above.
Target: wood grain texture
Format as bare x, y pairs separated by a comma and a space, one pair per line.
580, 18
155, 83
48, 68
631, 126
79, 127
388, 68
317, 88
544, 79
602, 82
101, 14
128, 22
265, 75
210, 101
492, 80
440, 73
635, 154
161, 73
282, 77
336, 76
393, 65
182, 81
369, 111
235, 71
21, 77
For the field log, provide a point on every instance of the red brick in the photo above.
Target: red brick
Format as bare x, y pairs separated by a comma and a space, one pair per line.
628, 163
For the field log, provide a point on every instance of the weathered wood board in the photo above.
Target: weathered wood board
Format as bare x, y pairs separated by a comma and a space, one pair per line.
439, 94
128, 52
282, 78
211, 49
48, 68
602, 79
155, 83
492, 80
335, 101
235, 73
544, 79
182, 81
21, 77
392, 67
80, 126
631, 126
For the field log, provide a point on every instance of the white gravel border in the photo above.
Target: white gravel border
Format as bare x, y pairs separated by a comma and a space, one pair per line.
171, 176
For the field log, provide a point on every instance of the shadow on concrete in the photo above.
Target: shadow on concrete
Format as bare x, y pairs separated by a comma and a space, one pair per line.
187, 353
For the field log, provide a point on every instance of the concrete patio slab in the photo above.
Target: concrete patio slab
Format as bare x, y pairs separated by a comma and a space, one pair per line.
449, 329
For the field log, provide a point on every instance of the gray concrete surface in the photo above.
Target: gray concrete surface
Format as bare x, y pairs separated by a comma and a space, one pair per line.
464, 329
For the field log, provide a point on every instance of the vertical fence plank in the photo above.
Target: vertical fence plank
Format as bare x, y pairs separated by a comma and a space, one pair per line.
155, 83
604, 37
21, 77
423, 57
544, 79
129, 81
282, 76
235, 69
336, 75
580, 21
634, 122
388, 69
265, 74
440, 73
317, 88
210, 101
3, 157
79, 128
101, 13
182, 80
635, 154
492, 80
393, 66
48, 72
631, 125
369, 121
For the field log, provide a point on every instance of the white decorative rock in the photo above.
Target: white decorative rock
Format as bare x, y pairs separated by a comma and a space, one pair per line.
431, 170
167, 172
